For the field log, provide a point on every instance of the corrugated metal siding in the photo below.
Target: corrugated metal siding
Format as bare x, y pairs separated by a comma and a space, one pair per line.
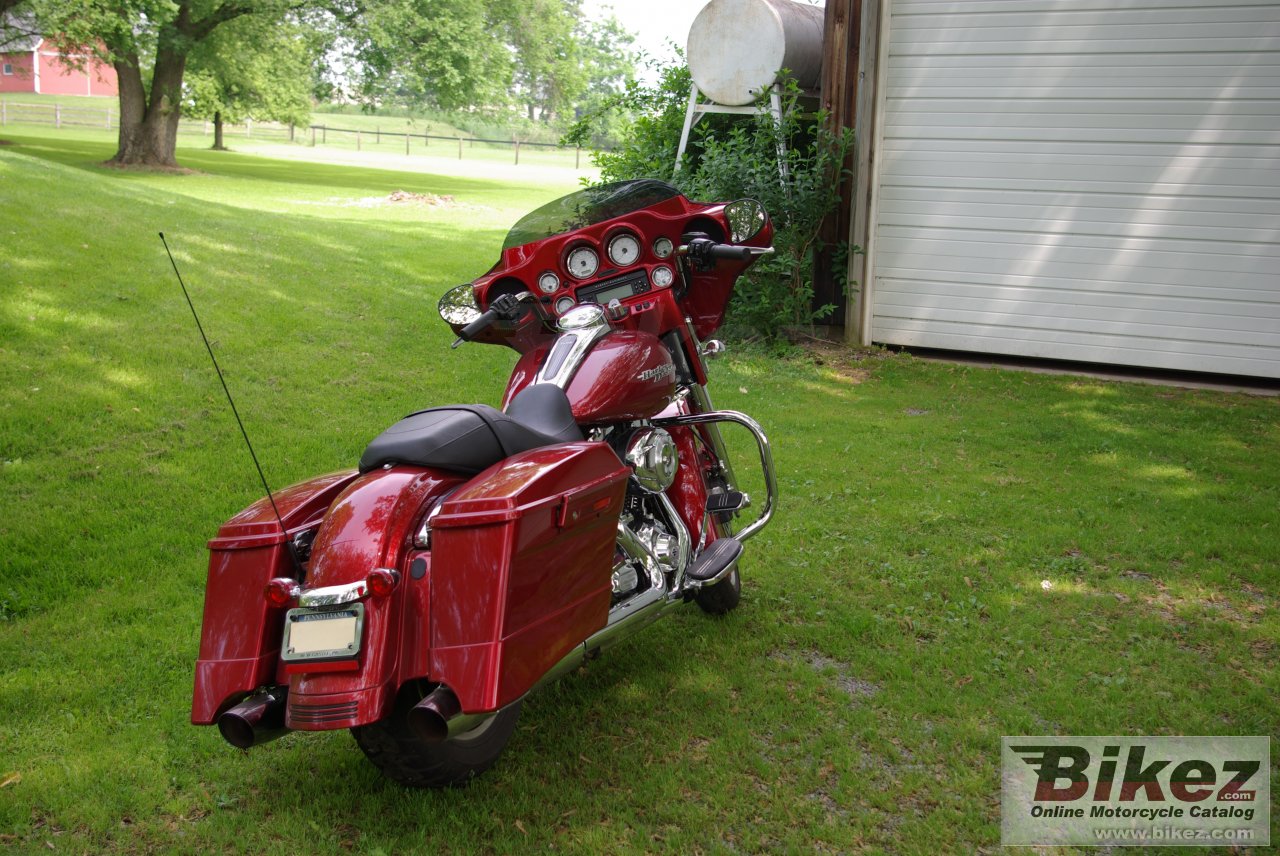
1089, 180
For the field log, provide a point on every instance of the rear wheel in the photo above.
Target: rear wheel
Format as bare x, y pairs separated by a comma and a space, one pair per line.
721, 597
405, 758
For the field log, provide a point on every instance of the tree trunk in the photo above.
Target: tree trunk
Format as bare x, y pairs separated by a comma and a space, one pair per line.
149, 128
217, 131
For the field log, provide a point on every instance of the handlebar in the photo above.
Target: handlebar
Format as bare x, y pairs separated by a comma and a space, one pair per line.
703, 252
731, 252
505, 307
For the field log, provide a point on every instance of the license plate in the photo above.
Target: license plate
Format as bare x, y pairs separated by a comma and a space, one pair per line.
322, 634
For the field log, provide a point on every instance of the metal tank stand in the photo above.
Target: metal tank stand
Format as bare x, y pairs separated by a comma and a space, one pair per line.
699, 108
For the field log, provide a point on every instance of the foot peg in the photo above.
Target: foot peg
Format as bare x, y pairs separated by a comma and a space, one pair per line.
715, 561
733, 500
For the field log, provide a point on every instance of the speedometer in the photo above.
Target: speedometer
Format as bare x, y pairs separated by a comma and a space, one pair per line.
583, 262
624, 249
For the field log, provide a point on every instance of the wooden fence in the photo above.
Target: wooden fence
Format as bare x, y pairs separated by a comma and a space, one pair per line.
106, 117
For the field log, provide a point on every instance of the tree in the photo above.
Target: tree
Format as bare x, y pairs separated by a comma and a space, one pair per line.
610, 60
564, 58
447, 53
548, 70
254, 67
148, 42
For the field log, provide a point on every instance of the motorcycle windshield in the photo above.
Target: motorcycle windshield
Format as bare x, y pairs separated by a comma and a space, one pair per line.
587, 207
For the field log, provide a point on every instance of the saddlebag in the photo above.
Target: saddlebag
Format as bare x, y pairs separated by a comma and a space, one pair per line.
240, 635
521, 566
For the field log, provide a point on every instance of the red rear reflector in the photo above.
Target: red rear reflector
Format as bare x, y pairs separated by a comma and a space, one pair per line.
602, 504
382, 581
281, 591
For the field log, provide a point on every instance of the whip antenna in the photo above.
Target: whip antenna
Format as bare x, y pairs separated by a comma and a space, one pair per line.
297, 564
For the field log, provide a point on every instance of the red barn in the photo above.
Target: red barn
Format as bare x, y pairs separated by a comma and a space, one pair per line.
35, 64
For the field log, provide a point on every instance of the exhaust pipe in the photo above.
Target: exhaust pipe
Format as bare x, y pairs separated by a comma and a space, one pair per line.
258, 719
429, 719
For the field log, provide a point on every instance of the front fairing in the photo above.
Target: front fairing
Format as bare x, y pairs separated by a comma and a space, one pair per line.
651, 307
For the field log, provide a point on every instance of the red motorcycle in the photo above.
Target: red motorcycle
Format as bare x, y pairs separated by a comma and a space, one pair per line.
477, 553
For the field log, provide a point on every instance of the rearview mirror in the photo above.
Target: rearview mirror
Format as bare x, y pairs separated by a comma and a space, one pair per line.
746, 219
458, 306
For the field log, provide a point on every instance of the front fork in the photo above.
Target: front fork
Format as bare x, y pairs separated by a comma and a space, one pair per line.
688, 352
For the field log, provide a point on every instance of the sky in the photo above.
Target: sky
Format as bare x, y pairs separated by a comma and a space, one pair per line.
654, 22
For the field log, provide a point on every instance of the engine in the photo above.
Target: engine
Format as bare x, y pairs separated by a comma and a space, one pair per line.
644, 516
654, 459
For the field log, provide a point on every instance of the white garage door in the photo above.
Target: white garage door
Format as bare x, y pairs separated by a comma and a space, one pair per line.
1091, 180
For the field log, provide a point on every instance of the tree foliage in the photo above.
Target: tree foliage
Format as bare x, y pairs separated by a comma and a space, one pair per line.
255, 67
445, 53
542, 57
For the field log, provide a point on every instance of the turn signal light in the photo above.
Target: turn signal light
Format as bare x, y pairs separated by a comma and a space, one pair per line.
382, 581
281, 591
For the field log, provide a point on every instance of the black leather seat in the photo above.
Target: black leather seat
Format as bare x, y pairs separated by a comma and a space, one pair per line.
467, 438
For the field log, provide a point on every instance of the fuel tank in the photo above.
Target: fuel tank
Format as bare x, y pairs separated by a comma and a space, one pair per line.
627, 375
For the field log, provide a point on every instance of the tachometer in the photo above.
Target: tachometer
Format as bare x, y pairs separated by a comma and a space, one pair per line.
548, 282
624, 249
583, 262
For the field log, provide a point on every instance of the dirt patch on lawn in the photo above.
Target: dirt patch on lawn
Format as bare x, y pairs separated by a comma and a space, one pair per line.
846, 363
855, 687
405, 197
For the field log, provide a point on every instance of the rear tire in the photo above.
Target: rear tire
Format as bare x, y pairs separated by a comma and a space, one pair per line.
403, 757
721, 597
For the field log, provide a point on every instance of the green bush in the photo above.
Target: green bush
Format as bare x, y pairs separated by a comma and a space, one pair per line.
733, 156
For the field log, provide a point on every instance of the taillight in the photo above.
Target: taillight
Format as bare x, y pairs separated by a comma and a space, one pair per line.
281, 591
382, 581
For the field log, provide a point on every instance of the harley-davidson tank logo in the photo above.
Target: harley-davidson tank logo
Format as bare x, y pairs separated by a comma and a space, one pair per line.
658, 372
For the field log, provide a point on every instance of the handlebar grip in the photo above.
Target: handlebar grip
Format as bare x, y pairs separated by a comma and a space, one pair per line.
477, 326
731, 252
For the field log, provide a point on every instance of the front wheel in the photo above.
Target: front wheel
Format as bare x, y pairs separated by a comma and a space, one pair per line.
721, 597
405, 758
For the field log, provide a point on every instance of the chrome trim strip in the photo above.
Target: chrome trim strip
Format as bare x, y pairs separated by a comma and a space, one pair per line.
334, 595
766, 458
582, 338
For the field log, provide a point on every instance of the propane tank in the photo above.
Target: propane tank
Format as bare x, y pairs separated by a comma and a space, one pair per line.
737, 47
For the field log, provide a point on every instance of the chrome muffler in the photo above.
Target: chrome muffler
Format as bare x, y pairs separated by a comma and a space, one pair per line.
256, 720
439, 716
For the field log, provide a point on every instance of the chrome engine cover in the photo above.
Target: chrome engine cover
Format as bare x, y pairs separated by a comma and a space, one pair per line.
652, 454
625, 578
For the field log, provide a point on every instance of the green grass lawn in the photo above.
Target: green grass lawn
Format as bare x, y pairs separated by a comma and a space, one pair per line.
95, 118
895, 619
